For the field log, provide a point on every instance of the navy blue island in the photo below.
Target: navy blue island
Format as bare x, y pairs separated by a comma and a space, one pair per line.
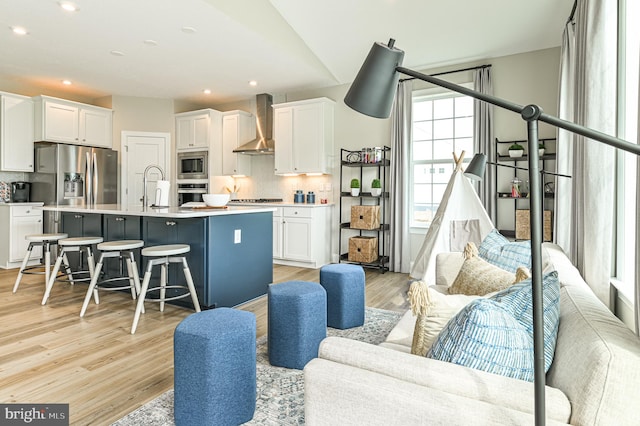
231, 257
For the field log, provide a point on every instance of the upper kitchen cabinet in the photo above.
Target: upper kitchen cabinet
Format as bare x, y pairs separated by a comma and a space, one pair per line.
16, 133
58, 120
238, 127
198, 130
303, 135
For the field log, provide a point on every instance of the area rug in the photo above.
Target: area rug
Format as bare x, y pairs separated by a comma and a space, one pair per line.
280, 391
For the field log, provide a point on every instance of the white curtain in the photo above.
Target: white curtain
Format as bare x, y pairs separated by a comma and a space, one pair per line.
588, 97
483, 139
399, 253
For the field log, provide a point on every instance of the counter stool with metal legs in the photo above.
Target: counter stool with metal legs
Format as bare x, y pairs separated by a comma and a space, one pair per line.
163, 256
122, 250
46, 241
67, 245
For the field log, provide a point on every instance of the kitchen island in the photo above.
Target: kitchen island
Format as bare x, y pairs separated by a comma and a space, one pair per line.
231, 248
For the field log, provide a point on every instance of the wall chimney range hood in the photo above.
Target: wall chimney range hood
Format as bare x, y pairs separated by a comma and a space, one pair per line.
263, 144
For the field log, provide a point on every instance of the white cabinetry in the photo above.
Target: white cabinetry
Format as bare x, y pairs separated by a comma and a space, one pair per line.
300, 236
58, 120
17, 221
198, 130
16, 133
303, 135
238, 127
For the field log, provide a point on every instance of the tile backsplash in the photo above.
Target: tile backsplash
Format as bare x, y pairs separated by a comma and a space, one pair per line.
12, 177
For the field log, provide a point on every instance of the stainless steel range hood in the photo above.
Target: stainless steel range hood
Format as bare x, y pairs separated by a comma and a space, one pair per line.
263, 144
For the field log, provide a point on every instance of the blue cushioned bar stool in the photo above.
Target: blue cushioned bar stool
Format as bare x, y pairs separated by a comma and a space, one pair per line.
215, 368
297, 322
46, 241
163, 256
122, 249
68, 245
344, 284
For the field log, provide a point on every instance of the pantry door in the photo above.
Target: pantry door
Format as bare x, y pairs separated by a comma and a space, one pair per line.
139, 150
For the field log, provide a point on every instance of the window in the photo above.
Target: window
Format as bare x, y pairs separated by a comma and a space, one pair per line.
442, 124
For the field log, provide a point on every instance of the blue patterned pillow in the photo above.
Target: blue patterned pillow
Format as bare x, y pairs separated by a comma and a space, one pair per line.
517, 300
486, 337
505, 254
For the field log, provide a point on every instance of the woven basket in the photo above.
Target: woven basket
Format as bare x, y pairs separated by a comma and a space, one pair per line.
365, 217
363, 249
523, 231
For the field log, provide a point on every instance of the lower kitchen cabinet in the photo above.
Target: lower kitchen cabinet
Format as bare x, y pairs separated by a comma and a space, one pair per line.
301, 236
116, 228
192, 231
80, 225
17, 221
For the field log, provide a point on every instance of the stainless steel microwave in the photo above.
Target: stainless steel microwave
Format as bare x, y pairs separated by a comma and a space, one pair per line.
193, 165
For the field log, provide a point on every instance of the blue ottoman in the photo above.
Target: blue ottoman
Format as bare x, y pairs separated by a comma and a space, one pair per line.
344, 284
214, 357
297, 322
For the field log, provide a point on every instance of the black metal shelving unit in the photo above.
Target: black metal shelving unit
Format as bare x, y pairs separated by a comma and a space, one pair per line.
379, 170
547, 196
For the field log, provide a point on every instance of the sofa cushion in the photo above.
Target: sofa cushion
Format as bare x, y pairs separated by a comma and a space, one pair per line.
518, 301
484, 336
505, 254
478, 277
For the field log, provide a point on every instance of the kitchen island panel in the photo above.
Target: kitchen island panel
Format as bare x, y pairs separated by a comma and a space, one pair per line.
239, 271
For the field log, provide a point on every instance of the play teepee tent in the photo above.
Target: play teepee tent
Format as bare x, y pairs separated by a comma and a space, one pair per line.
460, 218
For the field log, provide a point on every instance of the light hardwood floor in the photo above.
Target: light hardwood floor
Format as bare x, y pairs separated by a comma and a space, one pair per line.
48, 354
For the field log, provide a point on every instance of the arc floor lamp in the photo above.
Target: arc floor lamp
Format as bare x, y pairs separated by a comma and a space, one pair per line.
372, 93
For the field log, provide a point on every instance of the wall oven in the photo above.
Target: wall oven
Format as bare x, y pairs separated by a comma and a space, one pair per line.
193, 165
191, 190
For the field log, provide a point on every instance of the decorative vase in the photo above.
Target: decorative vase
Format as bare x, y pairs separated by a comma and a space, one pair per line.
541, 152
355, 192
376, 192
513, 153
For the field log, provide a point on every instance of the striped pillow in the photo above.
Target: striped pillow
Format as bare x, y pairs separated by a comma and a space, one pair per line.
486, 337
505, 254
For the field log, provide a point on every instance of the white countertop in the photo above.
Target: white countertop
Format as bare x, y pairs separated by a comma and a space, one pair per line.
31, 203
281, 204
174, 212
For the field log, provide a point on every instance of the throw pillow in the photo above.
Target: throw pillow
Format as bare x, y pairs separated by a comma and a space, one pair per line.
433, 314
477, 277
505, 254
518, 301
486, 337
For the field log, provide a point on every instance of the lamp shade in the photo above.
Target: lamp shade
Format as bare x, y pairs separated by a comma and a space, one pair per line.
475, 169
373, 90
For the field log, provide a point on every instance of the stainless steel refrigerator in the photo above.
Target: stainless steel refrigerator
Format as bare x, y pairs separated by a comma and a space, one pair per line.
73, 175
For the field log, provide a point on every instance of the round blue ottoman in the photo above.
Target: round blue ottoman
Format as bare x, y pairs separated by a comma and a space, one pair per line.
214, 357
297, 322
344, 284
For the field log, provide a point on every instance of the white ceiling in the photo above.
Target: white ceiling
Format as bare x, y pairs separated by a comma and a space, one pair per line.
285, 45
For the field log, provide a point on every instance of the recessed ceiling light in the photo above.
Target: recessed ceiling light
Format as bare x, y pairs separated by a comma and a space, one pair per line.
117, 53
19, 30
189, 30
253, 83
68, 6
206, 91
66, 82
150, 42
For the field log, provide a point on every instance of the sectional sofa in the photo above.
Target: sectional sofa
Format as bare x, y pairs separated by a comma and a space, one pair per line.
594, 378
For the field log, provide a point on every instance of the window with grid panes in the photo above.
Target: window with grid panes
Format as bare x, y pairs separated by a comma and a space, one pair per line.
442, 124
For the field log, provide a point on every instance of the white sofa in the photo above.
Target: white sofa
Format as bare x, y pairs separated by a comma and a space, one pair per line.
594, 378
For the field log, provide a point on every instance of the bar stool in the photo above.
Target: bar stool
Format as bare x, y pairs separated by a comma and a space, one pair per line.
67, 245
119, 249
163, 256
46, 241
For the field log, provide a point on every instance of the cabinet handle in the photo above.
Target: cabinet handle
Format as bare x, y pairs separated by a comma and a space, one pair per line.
28, 211
39, 220
170, 223
78, 216
119, 219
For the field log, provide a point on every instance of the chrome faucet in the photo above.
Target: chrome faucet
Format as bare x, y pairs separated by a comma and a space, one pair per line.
144, 198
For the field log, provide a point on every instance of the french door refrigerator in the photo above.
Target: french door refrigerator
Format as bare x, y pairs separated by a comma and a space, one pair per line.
73, 175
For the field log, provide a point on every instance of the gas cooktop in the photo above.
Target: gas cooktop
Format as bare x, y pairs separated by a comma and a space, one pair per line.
257, 200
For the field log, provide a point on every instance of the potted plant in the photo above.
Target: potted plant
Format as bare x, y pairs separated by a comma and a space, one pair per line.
376, 188
541, 149
516, 150
355, 187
